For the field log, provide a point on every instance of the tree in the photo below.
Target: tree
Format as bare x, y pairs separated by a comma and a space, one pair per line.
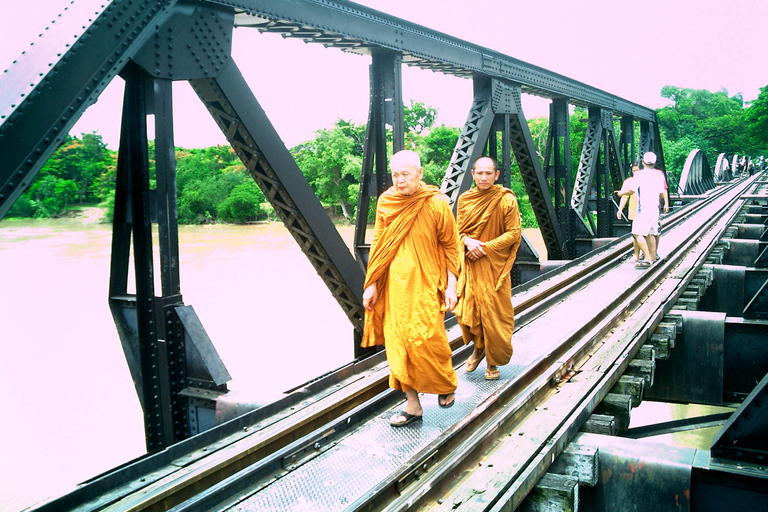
331, 166
243, 203
418, 117
756, 117
714, 122
436, 149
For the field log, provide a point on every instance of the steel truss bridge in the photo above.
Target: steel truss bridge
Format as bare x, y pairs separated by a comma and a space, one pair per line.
594, 336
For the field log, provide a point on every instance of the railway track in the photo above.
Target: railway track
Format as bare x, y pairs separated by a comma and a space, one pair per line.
519, 425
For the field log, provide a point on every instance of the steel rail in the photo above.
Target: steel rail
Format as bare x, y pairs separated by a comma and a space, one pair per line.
237, 484
496, 412
260, 451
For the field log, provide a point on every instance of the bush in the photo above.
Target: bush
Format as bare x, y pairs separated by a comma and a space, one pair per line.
22, 207
243, 203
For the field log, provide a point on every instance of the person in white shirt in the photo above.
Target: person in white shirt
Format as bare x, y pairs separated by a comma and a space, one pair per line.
649, 185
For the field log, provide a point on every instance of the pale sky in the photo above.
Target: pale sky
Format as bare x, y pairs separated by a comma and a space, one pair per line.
627, 48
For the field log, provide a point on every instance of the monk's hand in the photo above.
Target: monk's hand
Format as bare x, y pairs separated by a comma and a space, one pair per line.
450, 298
618, 214
450, 292
370, 296
475, 249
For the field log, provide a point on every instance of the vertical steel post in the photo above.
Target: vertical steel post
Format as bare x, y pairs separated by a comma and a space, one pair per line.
385, 108
158, 421
558, 161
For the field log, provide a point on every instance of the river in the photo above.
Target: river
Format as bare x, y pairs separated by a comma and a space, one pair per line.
71, 411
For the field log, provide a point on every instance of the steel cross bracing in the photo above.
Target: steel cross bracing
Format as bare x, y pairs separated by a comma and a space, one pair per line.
244, 123
498, 103
469, 146
598, 174
355, 28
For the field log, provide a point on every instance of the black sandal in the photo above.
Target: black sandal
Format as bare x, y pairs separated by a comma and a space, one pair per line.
443, 397
409, 418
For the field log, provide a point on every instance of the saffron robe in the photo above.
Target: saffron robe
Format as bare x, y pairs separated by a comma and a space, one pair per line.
415, 244
484, 288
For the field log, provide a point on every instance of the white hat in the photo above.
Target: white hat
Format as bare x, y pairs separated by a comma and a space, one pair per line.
649, 158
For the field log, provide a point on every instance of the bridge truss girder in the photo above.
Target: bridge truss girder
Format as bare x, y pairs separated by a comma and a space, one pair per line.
696, 177
600, 168
496, 108
154, 43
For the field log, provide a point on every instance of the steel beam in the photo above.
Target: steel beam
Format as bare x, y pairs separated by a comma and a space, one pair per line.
557, 162
694, 370
133, 172
354, 28
742, 439
599, 168
471, 143
247, 128
385, 107
533, 176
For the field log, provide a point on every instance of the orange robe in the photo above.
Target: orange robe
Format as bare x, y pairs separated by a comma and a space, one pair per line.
415, 244
484, 310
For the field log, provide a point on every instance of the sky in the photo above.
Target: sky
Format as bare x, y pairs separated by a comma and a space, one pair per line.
627, 48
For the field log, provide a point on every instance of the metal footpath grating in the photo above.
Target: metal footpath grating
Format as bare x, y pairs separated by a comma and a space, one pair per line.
335, 479
338, 477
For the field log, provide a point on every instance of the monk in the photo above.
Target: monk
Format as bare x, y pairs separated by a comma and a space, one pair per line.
489, 233
409, 285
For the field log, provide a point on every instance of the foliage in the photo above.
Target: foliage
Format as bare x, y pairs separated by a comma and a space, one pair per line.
213, 185
436, 149
331, 167
242, 204
71, 174
756, 118
711, 121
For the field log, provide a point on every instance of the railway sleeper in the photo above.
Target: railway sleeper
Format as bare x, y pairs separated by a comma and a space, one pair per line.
556, 491
632, 386
625, 394
600, 424
553, 493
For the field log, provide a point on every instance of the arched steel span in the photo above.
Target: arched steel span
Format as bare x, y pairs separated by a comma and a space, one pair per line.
696, 177
723, 169
152, 43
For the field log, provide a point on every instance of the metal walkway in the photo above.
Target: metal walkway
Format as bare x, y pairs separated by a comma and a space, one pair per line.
344, 476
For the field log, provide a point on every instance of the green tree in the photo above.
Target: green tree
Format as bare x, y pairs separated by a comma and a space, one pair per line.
243, 203
205, 178
418, 117
80, 161
436, 149
756, 117
331, 167
713, 121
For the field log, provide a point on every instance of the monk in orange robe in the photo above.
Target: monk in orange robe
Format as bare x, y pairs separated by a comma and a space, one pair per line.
489, 233
410, 283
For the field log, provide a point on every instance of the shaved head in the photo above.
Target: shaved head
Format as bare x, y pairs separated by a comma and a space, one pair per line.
405, 158
406, 172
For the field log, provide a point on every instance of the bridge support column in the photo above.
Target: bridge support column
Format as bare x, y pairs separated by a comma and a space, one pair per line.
166, 348
557, 161
636, 476
694, 370
599, 174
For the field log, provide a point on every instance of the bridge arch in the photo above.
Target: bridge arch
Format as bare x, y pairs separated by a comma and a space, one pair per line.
696, 177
